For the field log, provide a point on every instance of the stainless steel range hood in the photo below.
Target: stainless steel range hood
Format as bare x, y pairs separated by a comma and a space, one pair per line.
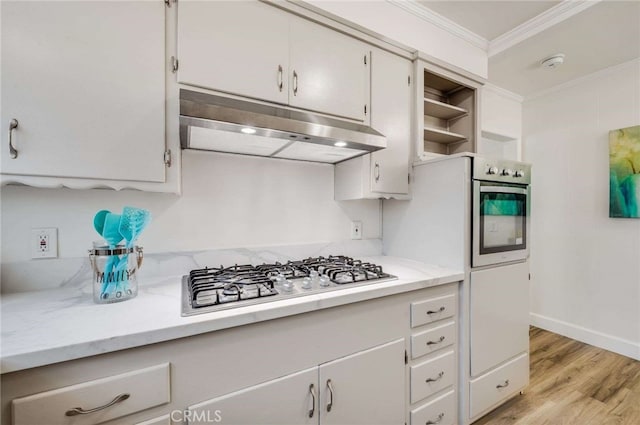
216, 123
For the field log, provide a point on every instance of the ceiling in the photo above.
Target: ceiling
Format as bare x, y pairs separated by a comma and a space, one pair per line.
593, 35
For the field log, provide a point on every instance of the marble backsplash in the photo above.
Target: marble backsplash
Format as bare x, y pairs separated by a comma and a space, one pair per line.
38, 275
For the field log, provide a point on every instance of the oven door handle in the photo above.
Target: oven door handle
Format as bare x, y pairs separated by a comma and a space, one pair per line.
503, 189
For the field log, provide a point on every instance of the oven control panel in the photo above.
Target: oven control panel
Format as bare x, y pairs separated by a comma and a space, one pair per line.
501, 170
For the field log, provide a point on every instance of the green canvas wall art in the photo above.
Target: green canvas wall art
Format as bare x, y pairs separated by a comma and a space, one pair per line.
624, 172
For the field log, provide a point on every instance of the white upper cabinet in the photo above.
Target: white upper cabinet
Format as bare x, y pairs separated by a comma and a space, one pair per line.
391, 116
384, 173
85, 82
239, 47
251, 49
329, 71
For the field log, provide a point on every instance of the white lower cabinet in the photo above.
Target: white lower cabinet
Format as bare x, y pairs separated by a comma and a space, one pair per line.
440, 411
97, 401
432, 376
339, 392
488, 390
366, 388
433, 364
290, 400
162, 420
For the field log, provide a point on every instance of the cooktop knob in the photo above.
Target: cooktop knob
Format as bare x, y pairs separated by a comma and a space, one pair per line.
519, 173
507, 172
492, 170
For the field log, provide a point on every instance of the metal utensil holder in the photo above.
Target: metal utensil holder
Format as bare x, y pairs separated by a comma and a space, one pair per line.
115, 272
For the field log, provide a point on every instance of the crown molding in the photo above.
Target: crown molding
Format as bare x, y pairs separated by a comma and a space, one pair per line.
539, 23
503, 92
422, 12
584, 79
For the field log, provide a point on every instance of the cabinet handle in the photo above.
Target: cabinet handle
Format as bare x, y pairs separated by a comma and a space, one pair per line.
312, 391
440, 375
295, 83
506, 384
330, 404
440, 310
437, 421
376, 171
80, 411
280, 82
436, 342
13, 124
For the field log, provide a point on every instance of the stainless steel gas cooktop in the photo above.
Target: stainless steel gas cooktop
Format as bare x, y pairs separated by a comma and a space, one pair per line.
213, 289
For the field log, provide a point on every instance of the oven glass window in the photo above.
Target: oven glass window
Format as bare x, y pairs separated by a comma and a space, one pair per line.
502, 222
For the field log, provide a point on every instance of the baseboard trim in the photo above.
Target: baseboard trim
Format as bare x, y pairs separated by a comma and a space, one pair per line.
589, 336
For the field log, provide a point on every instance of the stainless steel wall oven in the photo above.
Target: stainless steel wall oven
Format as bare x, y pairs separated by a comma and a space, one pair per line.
501, 207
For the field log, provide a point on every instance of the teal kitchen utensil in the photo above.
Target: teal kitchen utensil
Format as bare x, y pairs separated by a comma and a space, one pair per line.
132, 223
111, 234
98, 220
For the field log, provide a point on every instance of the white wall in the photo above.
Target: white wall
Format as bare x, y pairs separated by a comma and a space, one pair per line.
585, 266
228, 201
399, 25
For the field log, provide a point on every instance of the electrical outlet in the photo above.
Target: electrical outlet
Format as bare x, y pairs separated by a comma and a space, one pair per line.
356, 230
44, 242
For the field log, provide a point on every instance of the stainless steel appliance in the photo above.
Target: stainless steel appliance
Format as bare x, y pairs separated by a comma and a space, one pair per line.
270, 131
212, 289
500, 216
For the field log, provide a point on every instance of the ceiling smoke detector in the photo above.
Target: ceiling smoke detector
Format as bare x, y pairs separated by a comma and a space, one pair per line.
553, 61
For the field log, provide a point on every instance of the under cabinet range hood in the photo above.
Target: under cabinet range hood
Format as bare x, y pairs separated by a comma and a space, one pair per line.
217, 123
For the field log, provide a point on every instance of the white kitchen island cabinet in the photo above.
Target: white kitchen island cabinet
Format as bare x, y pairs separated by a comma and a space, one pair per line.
85, 83
384, 173
339, 392
254, 50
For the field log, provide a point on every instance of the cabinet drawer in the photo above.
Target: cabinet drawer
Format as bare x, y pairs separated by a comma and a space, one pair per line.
431, 310
441, 411
146, 388
432, 376
432, 340
499, 384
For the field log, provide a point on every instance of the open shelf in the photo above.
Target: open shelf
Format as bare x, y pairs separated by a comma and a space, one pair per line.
438, 135
442, 110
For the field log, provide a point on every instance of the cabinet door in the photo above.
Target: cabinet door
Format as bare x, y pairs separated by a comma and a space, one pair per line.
85, 81
239, 47
283, 401
499, 315
365, 388
391, 116
328, 71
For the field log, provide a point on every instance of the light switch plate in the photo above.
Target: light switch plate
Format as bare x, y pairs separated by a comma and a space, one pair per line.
44, 242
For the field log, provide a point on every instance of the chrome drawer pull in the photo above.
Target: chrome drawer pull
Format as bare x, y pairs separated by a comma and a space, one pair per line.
330, 404
436, 342
280, 81
506, 384
440, 310
437, 421
313, 400
80, 411
13, 152
440, 375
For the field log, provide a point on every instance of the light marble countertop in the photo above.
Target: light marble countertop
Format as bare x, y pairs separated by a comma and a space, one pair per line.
46, 327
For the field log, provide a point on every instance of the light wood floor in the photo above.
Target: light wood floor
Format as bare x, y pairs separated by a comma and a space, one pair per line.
573, 383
